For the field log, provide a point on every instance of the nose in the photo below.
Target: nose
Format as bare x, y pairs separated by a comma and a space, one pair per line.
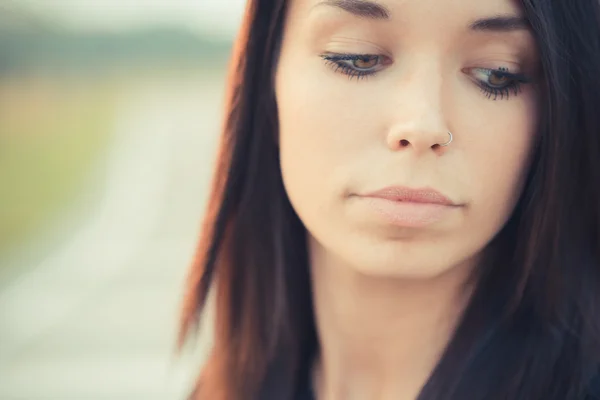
419, 123
420, 141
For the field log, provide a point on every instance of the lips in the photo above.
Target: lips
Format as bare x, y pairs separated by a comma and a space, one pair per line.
408, 195
409, 208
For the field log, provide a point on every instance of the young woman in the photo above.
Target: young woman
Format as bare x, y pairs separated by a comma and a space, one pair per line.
406, 204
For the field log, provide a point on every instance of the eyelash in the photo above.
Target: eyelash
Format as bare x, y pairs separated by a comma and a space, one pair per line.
339, 64
514, 85
342, 63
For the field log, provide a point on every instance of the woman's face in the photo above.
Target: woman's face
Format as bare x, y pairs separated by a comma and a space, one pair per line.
367, 92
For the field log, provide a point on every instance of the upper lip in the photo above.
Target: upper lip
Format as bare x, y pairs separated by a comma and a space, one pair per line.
405, 194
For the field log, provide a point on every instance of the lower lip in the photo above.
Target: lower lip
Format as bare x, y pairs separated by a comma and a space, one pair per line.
409, 214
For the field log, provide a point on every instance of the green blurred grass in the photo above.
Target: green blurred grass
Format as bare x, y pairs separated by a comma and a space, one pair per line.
51, 133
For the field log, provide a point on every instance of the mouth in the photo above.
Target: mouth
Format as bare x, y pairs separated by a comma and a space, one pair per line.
410, 208
408, 195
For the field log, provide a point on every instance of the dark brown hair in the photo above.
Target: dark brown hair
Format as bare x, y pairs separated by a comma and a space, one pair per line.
532, 328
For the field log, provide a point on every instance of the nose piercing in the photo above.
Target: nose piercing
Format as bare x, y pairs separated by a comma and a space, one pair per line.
449, 140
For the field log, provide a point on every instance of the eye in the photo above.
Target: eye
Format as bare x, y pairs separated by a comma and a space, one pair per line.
355, 65
365, 62
498, 82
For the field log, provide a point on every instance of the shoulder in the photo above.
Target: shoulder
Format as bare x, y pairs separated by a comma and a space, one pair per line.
593, 392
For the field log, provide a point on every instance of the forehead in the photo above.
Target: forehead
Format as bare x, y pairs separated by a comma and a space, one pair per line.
408, 11
434, 23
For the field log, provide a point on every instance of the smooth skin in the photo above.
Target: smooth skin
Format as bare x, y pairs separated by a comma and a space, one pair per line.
365, 96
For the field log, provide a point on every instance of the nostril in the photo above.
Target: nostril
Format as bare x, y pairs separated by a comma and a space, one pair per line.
404, 143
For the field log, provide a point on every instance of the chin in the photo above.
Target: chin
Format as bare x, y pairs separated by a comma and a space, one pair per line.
400, 260
414, 268
395, 254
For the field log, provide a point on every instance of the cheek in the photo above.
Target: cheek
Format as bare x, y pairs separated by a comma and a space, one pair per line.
303, 131
316, 133
331, 135
326, 122
499, 159
300, 144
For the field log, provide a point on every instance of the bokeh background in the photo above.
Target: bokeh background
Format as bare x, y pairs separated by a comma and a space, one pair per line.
109, 116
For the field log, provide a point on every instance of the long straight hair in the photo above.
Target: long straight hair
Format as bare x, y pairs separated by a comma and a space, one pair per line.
532, 328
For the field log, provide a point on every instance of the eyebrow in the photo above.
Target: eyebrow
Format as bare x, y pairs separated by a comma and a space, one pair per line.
501, 23
372, 10
360, 8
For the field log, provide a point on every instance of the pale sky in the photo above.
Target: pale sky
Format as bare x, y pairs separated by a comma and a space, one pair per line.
213, 16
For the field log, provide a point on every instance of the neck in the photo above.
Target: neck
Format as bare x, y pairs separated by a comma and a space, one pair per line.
380, 337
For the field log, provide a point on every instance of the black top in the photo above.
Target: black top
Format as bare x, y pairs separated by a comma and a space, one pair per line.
593, 393
306, 393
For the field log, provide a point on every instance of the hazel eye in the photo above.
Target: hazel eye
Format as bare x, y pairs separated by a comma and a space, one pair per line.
498, 79
365, 62
497, 83
356, 65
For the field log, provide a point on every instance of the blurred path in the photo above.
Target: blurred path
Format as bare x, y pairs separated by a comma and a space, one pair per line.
97, 319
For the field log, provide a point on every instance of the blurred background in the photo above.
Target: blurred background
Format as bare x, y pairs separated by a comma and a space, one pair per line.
109, 116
